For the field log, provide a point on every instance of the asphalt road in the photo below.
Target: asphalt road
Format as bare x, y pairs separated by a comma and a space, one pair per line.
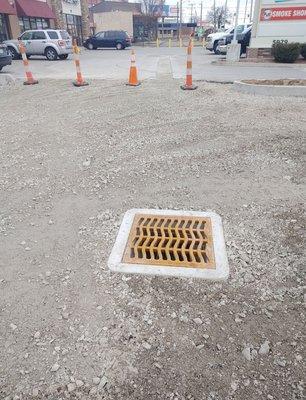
113, 64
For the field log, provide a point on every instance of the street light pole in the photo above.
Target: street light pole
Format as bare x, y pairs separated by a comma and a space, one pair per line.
201, 14
236, 22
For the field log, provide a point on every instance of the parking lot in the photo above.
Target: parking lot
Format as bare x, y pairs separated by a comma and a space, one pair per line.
73, 160
114, 64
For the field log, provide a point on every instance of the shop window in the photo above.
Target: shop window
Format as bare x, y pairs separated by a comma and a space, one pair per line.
33, 23
4, 32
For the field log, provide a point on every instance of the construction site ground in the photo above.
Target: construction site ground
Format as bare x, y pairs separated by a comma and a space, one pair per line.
73, 160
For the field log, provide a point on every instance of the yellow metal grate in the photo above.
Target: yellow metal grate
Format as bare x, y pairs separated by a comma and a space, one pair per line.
174, 241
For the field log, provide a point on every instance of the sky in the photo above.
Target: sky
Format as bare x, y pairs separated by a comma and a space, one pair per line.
207, 5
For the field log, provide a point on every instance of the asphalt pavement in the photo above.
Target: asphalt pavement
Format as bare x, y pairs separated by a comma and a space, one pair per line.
114, 64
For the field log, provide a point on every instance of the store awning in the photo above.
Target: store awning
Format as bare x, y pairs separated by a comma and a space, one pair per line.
6, 8
33, 8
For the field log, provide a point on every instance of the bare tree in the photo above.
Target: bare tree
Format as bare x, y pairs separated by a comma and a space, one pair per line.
153, 7
218, 16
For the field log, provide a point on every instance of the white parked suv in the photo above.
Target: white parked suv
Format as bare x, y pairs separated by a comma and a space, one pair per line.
213, 39
50, 43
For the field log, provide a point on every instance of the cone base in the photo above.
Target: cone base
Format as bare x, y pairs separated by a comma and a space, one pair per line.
34, 82
185, 87
79, 84
133, 84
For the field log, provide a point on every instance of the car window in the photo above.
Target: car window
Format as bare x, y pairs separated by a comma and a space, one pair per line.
240, 28
38, 35
64, 35
100, 35
52, 34
109, 34
26, 36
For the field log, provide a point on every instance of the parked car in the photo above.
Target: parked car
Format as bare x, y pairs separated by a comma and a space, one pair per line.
213, 38
50, 43
243, 38
117, 39
5, 57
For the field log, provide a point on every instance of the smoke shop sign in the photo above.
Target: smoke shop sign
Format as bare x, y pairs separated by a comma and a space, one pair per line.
283, 14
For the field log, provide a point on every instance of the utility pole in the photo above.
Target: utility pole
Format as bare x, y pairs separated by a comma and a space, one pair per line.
215, 22
201, 14
251, 11
245, 11
177, 20
181, 17
191, 11
225, 12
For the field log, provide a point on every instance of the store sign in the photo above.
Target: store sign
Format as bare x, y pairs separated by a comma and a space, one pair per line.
283, 14
269, 3
71, 1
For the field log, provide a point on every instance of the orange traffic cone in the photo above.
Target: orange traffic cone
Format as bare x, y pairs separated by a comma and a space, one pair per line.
30, 80
188, 83
79, 80
133, 80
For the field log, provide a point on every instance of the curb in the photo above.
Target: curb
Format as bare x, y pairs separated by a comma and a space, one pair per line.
257, 64
6, 79
270, 90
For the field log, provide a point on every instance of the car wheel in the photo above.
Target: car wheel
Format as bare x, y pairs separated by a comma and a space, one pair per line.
215, 47
119, 46
51, 54
63, 56
90, 46
13, 53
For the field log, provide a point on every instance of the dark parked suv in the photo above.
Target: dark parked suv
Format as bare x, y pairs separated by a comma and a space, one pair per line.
5, 57
117, 39
243, 38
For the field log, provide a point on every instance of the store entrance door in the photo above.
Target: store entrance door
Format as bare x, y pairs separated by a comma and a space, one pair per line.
74, 27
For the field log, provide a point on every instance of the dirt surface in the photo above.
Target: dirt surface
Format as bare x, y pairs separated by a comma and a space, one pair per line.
72, 162
277, 82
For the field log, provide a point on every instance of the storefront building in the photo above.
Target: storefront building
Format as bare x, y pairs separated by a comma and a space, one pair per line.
34, 14
17, 16
8, 21
277, 21
73, 16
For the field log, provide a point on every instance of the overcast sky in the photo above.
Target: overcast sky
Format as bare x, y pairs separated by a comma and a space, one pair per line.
207, 4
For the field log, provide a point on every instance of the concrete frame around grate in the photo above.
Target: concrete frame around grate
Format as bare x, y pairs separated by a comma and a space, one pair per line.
221, 271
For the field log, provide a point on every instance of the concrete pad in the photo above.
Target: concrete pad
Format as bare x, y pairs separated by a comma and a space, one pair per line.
220, 272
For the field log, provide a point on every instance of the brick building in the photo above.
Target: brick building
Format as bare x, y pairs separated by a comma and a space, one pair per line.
17, 16
114, 15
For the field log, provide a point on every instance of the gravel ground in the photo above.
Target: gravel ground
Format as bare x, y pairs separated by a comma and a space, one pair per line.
72, 162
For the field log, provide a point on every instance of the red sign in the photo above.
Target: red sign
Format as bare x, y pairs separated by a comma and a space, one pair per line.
282, 13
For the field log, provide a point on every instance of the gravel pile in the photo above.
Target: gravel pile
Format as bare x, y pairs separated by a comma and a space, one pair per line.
72, 162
